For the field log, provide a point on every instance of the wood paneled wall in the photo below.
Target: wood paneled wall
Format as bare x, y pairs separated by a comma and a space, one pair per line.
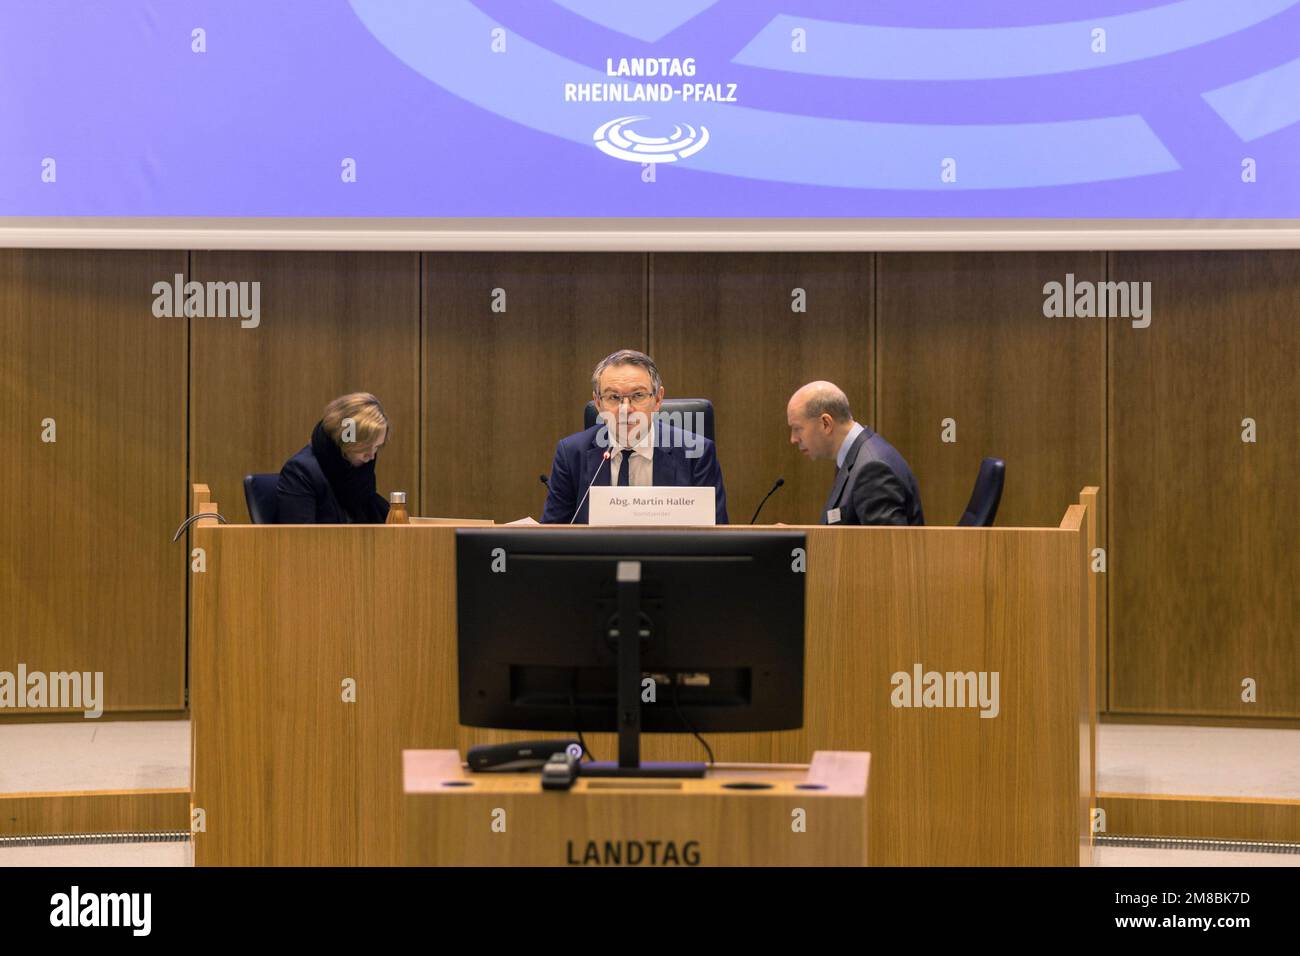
1205, 527
962, 336
89, 578
1201, 542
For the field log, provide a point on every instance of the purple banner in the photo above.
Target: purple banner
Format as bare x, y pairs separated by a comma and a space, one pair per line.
651, 108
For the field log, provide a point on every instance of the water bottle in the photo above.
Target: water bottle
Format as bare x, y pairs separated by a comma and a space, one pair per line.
397, 509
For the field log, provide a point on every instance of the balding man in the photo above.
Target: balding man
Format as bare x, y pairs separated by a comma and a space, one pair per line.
873, 484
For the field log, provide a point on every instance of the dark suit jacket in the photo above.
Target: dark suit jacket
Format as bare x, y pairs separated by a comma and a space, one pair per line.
875, 486
578, 456
304, 495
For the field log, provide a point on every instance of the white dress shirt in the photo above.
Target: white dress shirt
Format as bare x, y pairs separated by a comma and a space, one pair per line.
854, 432
642, 461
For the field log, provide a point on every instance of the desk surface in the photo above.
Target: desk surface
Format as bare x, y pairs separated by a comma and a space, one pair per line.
830, 774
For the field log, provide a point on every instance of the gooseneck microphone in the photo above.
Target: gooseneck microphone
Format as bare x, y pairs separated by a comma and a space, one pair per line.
603, 458
544, 480
779, 483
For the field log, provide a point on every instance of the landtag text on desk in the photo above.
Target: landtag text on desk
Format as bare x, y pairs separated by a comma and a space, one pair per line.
635, 853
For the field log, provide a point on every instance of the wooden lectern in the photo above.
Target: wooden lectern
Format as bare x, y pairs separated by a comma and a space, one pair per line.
320, 653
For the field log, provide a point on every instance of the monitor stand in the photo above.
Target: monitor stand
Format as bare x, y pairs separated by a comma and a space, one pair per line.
629, 691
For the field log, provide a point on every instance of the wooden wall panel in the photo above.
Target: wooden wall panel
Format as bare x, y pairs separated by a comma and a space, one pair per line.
89, 579
331, 323
501, 388
95, 811
1205, 528
722, 328
1177, 816
963, 336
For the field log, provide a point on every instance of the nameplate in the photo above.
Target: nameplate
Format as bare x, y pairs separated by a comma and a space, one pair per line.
651, 505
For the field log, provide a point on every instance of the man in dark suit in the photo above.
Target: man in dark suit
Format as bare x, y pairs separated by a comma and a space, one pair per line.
873, 484
630, 445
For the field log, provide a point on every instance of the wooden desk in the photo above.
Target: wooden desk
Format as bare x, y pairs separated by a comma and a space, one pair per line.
811, 815
288, 772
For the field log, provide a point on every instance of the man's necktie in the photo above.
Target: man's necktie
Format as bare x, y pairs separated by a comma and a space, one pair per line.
625, 469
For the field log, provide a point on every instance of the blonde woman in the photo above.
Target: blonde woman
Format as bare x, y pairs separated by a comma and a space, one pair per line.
332, 480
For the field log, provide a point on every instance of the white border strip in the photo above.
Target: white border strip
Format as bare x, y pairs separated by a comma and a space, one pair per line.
651, 235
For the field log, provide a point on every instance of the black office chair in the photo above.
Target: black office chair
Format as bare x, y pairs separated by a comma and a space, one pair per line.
983, 505
681, 412
259, 495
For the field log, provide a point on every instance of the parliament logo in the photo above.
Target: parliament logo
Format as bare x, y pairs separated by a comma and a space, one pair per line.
615, 139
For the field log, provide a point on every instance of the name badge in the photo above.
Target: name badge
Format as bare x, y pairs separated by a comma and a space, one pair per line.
652, 505
833, 516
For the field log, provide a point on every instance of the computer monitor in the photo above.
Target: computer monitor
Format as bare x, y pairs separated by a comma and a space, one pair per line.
720, 632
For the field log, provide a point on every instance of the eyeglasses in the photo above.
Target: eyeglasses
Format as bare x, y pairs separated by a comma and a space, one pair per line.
612, 400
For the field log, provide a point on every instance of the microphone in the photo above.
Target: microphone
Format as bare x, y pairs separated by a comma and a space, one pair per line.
603, 458
544, 480
779, 483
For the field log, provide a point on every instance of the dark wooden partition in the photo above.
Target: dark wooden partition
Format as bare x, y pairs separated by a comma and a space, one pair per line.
1205, 527
90, 580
